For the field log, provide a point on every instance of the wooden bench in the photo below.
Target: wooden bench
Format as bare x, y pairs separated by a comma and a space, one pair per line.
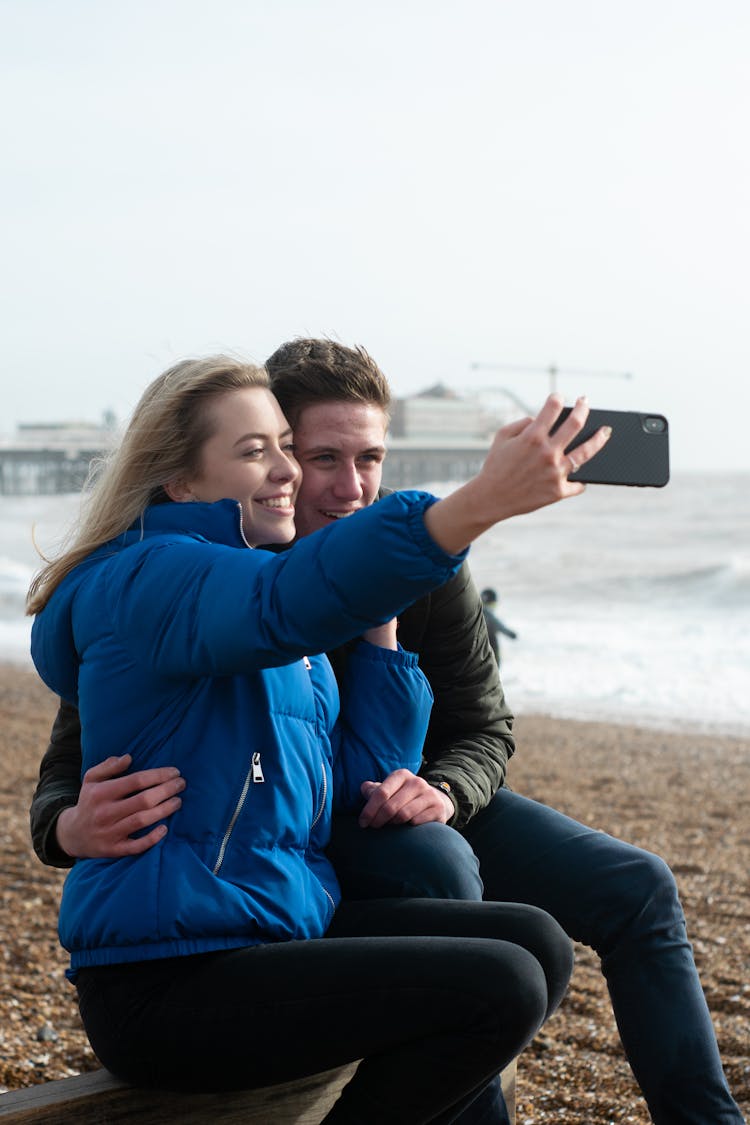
98, 1098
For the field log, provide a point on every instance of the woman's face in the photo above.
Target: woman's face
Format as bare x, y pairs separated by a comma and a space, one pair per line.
249, 458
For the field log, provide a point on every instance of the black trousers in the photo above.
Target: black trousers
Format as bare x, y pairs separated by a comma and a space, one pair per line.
435, 996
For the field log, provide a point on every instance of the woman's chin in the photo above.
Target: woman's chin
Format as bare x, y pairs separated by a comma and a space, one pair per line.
273, 536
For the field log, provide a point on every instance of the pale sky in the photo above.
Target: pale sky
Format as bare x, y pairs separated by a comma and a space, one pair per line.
513, 181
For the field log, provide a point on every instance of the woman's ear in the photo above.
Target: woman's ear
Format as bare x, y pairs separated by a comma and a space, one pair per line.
179, 490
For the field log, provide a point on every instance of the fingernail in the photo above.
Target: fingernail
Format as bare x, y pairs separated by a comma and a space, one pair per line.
607, 430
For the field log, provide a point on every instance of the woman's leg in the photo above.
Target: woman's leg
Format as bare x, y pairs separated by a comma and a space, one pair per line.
434, 1017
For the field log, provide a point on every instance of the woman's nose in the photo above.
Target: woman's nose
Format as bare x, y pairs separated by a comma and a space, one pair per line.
285, 467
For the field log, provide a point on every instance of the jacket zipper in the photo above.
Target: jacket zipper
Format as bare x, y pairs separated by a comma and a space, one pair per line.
322, 804
324, 794
317, 817
255, 774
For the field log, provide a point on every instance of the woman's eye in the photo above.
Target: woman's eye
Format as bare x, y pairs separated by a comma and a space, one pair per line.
253, 452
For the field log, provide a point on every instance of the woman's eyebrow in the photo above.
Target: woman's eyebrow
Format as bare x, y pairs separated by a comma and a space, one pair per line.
260, 437
249, 437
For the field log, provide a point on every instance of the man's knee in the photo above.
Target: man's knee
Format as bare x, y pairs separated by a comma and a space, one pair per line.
413, 861
441, 864
643, 900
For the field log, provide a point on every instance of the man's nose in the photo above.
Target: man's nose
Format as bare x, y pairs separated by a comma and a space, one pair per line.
347, 485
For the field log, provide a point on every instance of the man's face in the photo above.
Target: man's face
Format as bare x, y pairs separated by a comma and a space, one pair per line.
340, 447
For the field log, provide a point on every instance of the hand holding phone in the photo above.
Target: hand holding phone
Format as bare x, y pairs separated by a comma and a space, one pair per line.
636, 454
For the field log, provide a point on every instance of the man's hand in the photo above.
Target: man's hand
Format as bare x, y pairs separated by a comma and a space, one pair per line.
111, 807
403, 798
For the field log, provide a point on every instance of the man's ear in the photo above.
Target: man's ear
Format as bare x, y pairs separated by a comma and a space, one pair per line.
179, 490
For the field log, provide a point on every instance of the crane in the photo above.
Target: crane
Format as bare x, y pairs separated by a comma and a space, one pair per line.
551, 370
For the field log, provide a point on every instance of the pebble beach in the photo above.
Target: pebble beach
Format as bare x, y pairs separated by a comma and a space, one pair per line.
682, 795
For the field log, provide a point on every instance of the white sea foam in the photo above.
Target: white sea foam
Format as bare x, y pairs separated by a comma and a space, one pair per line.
630, 604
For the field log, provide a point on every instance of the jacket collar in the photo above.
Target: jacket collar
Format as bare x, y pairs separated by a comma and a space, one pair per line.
220, 522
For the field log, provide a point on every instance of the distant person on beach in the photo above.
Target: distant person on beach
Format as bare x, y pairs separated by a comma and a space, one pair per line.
619, 899
223, 958
495, 626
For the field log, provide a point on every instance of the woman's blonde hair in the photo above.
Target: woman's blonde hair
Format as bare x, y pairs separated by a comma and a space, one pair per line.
163, 441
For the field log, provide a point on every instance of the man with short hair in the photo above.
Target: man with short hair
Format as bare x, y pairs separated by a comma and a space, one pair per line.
456, 826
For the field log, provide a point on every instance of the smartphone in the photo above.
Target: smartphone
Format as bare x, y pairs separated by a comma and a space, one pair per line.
636, 454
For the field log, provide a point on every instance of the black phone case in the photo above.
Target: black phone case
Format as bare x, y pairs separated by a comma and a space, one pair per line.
634, 455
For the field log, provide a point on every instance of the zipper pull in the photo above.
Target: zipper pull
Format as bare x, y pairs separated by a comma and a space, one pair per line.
257, 769
308, 665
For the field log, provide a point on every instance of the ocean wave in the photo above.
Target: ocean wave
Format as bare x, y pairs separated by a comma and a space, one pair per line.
723, 584
719, 586
14, 584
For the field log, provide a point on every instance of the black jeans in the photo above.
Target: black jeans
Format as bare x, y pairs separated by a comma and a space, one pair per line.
436, 997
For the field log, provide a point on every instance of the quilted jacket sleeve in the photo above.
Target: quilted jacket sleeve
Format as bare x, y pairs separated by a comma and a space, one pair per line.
385, 709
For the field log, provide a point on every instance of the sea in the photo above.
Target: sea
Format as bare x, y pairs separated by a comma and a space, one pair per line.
631, 605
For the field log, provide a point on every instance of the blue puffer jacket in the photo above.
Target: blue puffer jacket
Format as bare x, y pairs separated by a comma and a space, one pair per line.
182, 646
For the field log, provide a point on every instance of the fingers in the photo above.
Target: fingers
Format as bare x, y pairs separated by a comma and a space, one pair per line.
118, 786
110, 767
403, 798
551, 411
567, 431
513, 429
112, 808
588, 449
151, 786
144, 809
130, 846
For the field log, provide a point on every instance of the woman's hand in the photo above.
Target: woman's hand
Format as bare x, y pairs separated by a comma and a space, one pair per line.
526, 468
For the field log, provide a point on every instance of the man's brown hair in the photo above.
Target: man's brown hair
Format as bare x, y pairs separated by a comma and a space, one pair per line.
306, 371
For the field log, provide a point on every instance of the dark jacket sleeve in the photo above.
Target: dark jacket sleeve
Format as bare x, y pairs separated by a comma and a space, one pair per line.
59, 785
469, 740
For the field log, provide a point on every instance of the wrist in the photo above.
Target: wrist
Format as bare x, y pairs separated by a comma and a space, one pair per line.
446, 793
64, 831
457, 520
